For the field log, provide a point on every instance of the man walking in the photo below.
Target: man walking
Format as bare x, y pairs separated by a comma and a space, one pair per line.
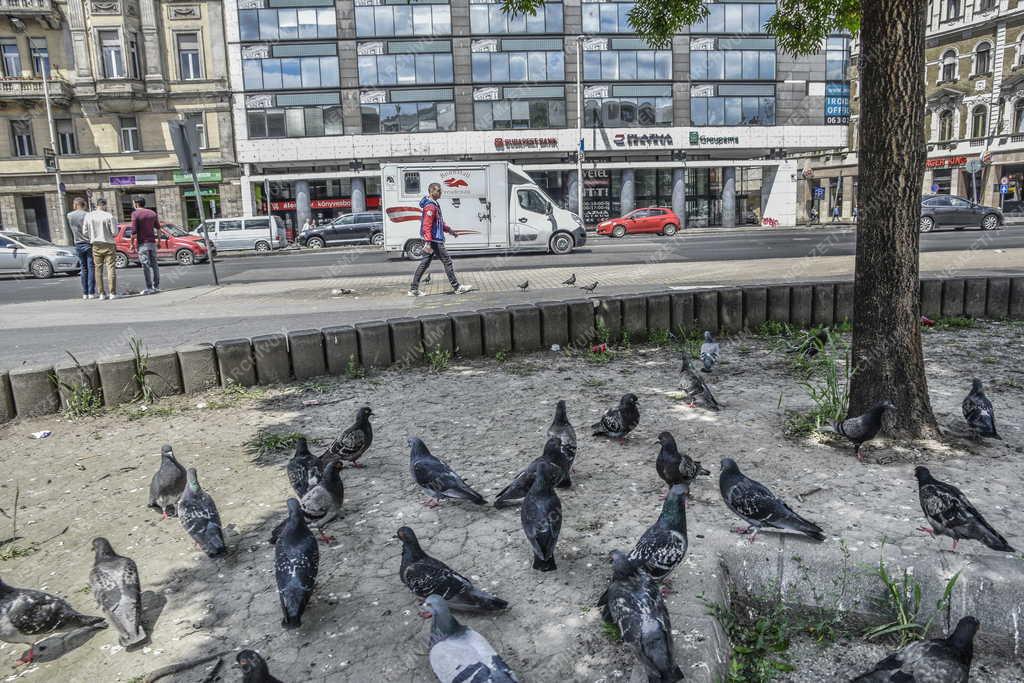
432, 230
145, 228
835, 213
98, 227
83, 248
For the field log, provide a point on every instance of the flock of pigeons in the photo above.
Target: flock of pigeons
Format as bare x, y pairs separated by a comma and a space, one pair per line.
633, 600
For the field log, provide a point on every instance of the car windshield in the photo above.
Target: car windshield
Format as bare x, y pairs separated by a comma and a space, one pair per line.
174, 230
29, 240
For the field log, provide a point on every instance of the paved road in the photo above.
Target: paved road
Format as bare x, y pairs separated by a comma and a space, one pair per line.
600, 251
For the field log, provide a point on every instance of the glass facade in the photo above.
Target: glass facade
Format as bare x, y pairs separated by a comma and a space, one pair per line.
521, 61
621, 106
409, 111
732, 105
406, 63
607, 17
735, 18
746, 59
284, 66
511, 108
627, 64
489, 18
288, 23
396, 19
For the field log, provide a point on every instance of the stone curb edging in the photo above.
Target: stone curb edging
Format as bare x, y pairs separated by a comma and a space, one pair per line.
404, 342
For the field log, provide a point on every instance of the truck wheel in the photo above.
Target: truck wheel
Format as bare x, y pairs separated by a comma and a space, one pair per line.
413, 250
561, 243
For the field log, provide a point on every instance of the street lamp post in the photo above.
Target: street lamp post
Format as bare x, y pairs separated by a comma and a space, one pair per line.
53, 146
579, 125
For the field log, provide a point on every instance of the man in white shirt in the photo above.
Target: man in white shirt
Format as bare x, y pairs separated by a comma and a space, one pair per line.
99, 228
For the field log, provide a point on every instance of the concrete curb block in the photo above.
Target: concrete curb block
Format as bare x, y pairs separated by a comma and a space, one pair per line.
608, 314
34, 391
778, 304
340, 348
975, 296
823, 306
997, 306
953, 297
467, 329
526, 329
659, 313
801, 305
554, 323
117, 375
931, 298
167, 378
755, 307
581, 321
436, 332
705, 310
634, 316
682, 312
374, 344
730, 311
198, 368
235, 362
1017, 298
306, 348
406, 341
273, 365
7, 411
496, 327
843, 310
70, 377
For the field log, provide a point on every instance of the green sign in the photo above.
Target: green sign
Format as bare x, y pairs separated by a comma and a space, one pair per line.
204, 191
697, 139
203, 176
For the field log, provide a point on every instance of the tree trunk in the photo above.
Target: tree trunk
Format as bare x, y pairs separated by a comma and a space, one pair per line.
887, 356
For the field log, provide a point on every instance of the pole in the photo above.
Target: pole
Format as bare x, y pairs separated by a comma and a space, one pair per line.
579, 125
974, 186
206, 230
53, 145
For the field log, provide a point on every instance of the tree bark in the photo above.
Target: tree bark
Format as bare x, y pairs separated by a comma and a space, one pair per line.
887, 356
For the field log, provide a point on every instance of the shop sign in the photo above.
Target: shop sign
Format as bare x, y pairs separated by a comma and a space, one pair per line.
203, 192
646, 140
255, 51
702, 44
485, 94
132, 180
595, 44
597, 202
336, 203
375, 48
373, 97
595, 91
485, 45
946, 162
837, 104
213, 176
259, 101
513, 144
697, 139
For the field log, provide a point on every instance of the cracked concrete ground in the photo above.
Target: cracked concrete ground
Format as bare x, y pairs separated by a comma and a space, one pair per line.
486, 419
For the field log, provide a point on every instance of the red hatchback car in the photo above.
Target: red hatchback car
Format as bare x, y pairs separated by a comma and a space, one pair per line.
172, 245
654, 219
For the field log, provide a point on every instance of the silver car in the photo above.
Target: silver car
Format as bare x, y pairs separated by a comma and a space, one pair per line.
24, 253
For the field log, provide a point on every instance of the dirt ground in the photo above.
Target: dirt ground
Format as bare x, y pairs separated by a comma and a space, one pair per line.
486, 419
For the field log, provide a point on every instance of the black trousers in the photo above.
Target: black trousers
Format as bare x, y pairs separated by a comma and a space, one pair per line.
438, 250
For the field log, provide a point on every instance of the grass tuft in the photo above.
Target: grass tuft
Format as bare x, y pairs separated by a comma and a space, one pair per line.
438, 359
353, 370
266, 443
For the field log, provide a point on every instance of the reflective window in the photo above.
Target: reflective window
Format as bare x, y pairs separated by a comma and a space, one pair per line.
610, 65
983, 59
21, 135
394, 19
735, 18
519, 113
290, 72
719, 65
607, 17
408, 117
290, 23
946, 126
622, 112
404, 69
491, 18
949, 60
837, 58
732, 111
295, 122
496, 67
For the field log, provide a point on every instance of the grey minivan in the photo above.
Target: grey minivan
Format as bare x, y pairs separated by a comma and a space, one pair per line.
257, 233
947, 211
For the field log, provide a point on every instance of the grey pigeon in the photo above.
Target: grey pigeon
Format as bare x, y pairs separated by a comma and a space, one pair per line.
254, 668
524, 286
521, 483
571, 281
634, 604
591, 287
758, 506
979, 413
53, 647
425, 576
663, 546
26, 616
812, 345
541, 517
304, 469
940, 660
562, 429
200, 518
458, 654
709, 352
322, 504
696, 389
115, 585
863, 428
619, 421
951, 514
296, 561
436, 479
674, 467
354, 441
167, 484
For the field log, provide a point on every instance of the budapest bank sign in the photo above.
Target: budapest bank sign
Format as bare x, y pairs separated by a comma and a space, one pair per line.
510, 144
339, 203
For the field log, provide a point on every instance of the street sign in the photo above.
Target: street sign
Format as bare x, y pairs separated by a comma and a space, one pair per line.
1005, 180
973, 165
185, 137
935, 187
1003, 188
49, 160
819, 192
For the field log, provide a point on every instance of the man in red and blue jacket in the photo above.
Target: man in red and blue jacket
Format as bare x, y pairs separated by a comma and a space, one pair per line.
432, 231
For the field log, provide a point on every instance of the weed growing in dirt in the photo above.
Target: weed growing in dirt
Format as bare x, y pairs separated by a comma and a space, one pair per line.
611, 631
141, 372
626, 341
353, 370
773, 328
438, 359
501, 356
601, 332
826, 382
313, 386
81, 399
659, 338
593, 382
266, 443
135, 411
760, 642
13, 552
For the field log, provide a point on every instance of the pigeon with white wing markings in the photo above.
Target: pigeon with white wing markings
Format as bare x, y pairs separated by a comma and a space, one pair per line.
554, 455
663, 546
199, 517
758, 506
458, 654
863, 428
353, 442
167, 484
322, 503
978, 412
696, 389
562, 429
436, 479
115, 585
541, 517
619, 421
304, 469
296, 562
424, 576
27, 616
951, 514
709, 352
254, 668
940, 660
674, 467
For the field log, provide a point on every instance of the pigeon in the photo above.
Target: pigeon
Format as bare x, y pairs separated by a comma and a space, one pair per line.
437, 479
524, 286
541, 516
709, 351
458, 654
521, 483
951, 514
52, 648
978, 412
322, 504
200, 518
254, 668
619, 421
813, 344
27, 615
296, 560
663, 545
167, 484
696, 390
354, 441
864, 427
590, 288
634, 604
571, 281
675, 467
562, 429
304, 469
758, 506
115, 585
425, 576
940, 660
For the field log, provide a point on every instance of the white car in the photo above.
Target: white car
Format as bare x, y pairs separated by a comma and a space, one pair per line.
24, 253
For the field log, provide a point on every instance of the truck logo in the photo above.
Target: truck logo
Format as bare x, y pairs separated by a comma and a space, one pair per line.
455, 182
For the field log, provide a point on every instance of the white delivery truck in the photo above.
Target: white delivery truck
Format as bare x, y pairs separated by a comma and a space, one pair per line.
491, 206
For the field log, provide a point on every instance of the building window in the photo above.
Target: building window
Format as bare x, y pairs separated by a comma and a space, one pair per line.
732, 105
12, 59
425, 62
287, 23
837, 58
625, 106
625, 65
21, 134
979, 121
40, 56
293, 66
199, 118
520, 108
410, 111
1020, 50
982, 59
489, 17
949, 61
735, 18
397, 18
67, 142
133, 54
607, 17
112, 54
130, 141
734, 65
295, 122
953, 10
945, 126
189, 65
520, 61
986, 5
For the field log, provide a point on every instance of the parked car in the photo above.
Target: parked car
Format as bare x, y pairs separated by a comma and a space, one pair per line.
259, 233
654, 219
946, 211
172, 245
364, 227
24, 253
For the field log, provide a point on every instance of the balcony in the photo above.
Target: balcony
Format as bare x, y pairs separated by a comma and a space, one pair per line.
26, 7
31, 89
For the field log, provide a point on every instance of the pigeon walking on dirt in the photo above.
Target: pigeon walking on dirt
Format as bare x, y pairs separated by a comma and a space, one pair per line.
758, 506
663, 546
254, 668
26, 616
590, 288
562, 430
674, 467
541, 517
322, 504
696, 389
634, 604
979, 413
167, 484
296, 561
940, 660
951, 514
55, 646
619, 421
436, 479
425, 576
115, 585
571, 281
458, 654
553, 455
354, 441
863, 428
524, 286
304, 469
200, 518
709, 351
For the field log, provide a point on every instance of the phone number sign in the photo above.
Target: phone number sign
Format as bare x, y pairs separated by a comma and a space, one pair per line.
837, 104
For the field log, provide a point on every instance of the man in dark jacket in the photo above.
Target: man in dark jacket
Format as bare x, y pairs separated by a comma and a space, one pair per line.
145, 229
432, 231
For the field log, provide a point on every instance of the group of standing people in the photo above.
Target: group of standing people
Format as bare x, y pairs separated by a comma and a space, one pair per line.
95, 234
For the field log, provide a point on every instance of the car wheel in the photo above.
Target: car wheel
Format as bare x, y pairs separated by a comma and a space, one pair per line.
121, 260
669, 230
377, 239
413, 250
927, 223
990, 222
185, 257
619, 231
315, 243
262, 247
561, 243
41, 268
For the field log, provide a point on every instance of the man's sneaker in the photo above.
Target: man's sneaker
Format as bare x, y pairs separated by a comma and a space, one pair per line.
85, 296
155, 290
414, 292
111, 296
465, 289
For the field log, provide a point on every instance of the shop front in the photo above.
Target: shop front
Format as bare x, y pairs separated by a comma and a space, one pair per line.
209, 191
325, 199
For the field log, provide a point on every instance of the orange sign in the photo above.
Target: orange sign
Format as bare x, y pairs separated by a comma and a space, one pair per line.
947, 162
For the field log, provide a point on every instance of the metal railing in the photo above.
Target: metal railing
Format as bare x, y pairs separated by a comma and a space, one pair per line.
31, 87
26, 6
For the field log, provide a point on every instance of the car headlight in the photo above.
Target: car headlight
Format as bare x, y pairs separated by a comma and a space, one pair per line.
63, 253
